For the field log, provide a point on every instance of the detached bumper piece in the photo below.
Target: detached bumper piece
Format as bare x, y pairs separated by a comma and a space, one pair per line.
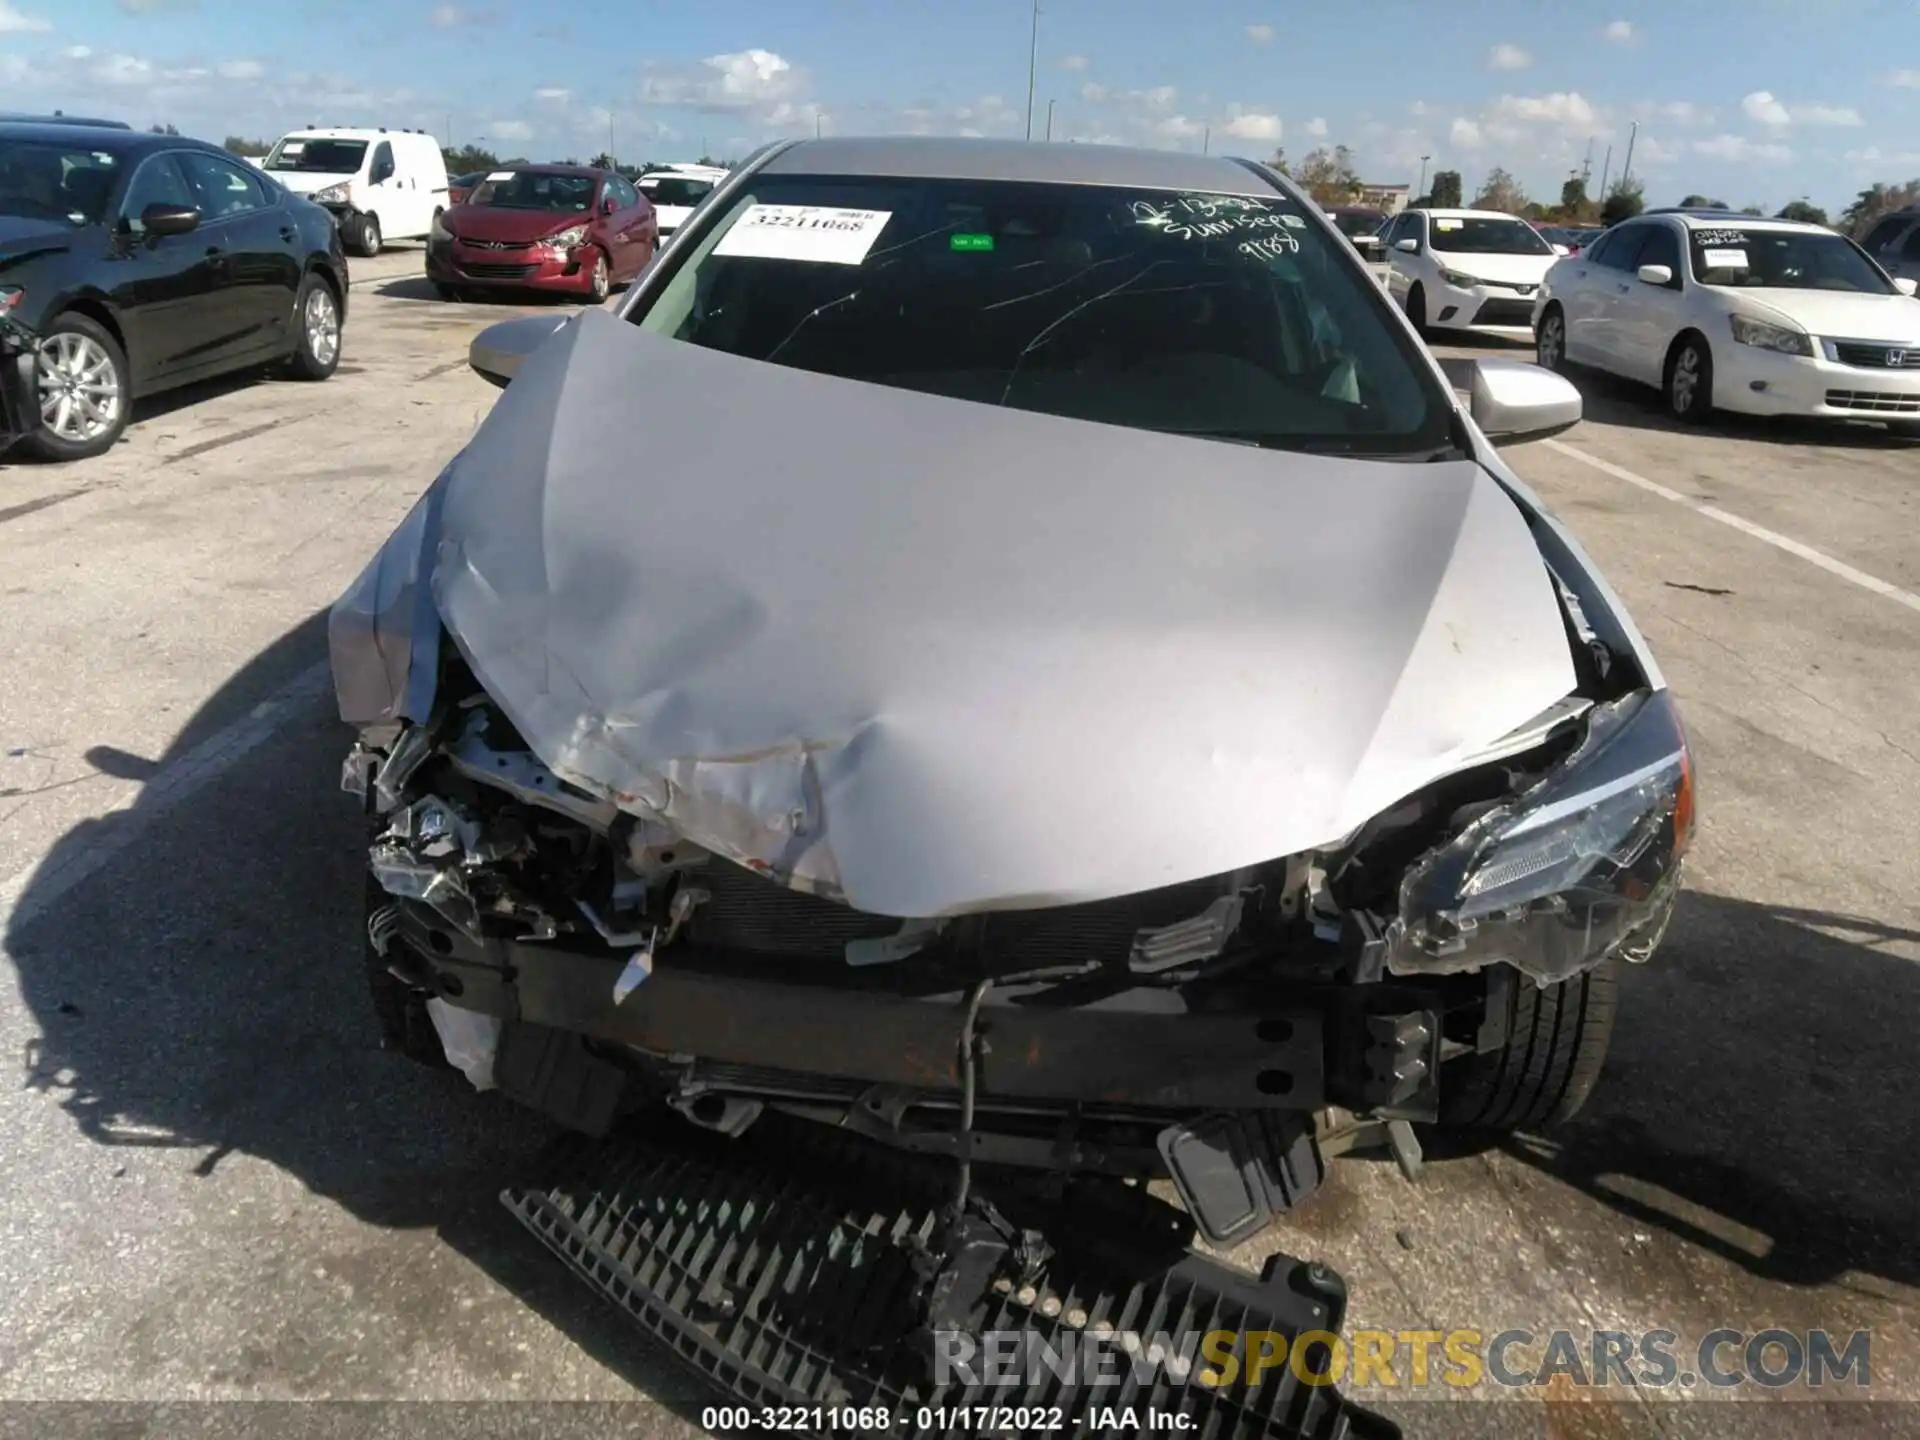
18, 409
801, 1269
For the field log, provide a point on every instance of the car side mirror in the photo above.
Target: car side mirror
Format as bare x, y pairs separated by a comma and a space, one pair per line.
1656, 274
498, 351
1905, 285
608, 205
169, 219
1513, 400
1410, 245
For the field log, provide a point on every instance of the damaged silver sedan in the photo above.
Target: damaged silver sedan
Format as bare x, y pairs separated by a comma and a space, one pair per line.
1066, 684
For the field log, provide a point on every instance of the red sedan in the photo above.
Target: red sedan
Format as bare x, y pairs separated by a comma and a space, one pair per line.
569, 228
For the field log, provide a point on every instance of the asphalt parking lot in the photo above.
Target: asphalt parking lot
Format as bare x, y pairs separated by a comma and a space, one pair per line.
217, 1187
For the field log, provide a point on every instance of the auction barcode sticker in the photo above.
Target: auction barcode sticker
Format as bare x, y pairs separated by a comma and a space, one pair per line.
820, 233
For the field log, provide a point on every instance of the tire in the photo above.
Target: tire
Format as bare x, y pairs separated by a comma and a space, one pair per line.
1417, 310
602, 278
1557, 1038
1550, 341
366, 240
81, 362
316, 327
1689, 400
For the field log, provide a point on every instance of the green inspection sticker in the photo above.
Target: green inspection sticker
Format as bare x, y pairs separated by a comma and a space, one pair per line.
972, 242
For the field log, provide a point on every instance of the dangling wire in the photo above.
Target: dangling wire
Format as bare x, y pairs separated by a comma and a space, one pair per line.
967, 1085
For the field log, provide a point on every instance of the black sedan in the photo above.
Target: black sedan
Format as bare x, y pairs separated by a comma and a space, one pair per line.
131, 263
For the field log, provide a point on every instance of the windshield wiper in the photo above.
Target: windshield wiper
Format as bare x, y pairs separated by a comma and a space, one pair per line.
1347, 448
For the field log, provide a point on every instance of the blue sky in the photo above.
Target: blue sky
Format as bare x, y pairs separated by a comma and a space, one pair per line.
1746, 100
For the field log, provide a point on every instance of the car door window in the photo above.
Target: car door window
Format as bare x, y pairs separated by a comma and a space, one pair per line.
157, 182
1623, 250
1661, 247
625, 197
1883, 234
220, 189
382, 163
1910, 250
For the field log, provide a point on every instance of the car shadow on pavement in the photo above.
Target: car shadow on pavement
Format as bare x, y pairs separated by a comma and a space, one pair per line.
194, 968
418, 287
1758, 1100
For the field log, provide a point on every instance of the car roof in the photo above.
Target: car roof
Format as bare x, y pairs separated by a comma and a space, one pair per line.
348, 132
1459, 214
111, 138
1724, 219
21, 117
940, 158
542, 169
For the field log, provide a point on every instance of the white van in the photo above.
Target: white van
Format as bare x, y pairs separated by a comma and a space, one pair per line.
676, 192
380, 184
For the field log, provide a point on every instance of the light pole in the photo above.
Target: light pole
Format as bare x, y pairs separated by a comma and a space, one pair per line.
1033, 60
1626, 169
1206, 141
1049, 119
1421, 188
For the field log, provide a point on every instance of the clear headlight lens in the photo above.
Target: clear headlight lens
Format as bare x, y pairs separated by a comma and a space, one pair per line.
1560, 878
331, 195
1454, 277
568, 238
1782, 338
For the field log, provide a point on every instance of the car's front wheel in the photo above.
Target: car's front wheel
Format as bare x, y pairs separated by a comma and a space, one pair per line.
602, 278
316, 320
81, 379
1417, 309
1550, 340
369, 241
1689, 381
1557, 1038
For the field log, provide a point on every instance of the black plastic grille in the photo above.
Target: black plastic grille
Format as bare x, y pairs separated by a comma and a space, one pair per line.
780, 1267
496, 272
1875, 356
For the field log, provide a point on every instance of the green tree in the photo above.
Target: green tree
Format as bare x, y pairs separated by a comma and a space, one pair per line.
1278, 160
1753, 210
1624, 201
468, 158
602, 161
1328, 176
1876, 200
240, 145
1574, 204
1701, 202
163, 130
1800, 210
1501, 192
1446, 191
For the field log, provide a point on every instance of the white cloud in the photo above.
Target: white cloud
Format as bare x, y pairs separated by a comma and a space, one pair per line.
1737, 149
18, 22
1260, 34
511, 131
553, 94
1178, 127
1826, 115
1621, 32
1317, 127
1564, 109
1682, 112
1874, 158
1160, 99
1653, 151
241, 69
1465, 133
77, 52
1075, 62
1253, 125
124, 70
1905, 79
1763, 109
1508, 57
758, 81
450, 17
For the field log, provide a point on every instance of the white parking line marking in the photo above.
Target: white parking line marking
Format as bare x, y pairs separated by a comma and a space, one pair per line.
1745, 527
188, 775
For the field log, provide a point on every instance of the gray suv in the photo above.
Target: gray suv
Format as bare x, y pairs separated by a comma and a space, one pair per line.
1894, 240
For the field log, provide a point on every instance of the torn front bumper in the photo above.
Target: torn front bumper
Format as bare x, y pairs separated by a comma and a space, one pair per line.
817, 1279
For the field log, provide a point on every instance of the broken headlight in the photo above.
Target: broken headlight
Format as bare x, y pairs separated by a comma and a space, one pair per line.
1585, 861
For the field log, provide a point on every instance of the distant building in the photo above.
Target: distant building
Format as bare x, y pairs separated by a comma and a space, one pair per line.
1390, 198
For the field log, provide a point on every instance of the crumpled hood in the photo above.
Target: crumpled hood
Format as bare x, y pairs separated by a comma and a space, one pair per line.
933, 656
306, 182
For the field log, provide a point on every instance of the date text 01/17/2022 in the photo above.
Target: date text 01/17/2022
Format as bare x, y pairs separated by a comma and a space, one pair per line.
877, 1419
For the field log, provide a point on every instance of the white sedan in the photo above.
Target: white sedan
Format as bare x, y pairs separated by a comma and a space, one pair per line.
1465, 269
1730, 312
